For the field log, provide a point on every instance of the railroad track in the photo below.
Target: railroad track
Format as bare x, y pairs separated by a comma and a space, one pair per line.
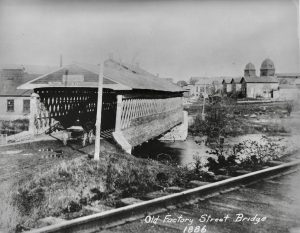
235, 197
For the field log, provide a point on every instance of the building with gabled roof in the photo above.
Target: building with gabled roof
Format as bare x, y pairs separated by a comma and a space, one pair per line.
227, 85
14, 103
236, 85
259, 87
200, 86
263, 86
251, 85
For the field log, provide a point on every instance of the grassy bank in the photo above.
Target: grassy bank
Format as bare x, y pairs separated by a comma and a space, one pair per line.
64, 189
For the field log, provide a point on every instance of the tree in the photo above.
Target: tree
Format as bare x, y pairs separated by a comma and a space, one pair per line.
289, 108
182, 83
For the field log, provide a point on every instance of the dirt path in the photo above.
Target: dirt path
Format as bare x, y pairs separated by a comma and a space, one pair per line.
21, 161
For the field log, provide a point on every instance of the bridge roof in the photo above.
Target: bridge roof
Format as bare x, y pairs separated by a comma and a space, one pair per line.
117, 76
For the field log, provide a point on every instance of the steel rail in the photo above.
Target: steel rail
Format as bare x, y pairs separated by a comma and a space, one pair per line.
100, 221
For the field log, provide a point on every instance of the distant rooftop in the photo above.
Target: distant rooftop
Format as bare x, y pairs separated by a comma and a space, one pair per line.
229, 79
14, 75
288, 75
11, 67
287, 86
205, 79
30, 69
236, 80
263, 79
297, 82
9, 87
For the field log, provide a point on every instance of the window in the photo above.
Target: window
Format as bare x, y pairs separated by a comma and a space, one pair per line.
26, 106
10, 105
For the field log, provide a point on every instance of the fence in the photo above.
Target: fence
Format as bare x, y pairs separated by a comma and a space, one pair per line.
11, 131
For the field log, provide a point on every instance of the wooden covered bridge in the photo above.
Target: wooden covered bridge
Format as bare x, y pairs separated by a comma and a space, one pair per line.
137, 105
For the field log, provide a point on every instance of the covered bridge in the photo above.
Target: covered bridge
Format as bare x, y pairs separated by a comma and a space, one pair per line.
137, 105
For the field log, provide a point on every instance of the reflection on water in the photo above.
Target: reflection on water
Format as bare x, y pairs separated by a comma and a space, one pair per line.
181, 152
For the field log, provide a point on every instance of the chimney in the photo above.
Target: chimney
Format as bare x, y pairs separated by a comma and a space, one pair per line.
65, 77
61, 61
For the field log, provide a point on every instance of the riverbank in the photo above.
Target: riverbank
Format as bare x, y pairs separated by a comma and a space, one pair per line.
64, 186
67, 188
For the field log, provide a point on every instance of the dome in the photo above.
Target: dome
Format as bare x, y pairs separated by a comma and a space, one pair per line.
267, 68
249, 70
249, 66
267, 64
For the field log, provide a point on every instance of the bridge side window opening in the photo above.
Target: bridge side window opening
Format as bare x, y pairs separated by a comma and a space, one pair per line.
10, 105
26, 106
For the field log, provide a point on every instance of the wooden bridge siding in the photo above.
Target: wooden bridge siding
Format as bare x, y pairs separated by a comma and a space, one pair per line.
144, 119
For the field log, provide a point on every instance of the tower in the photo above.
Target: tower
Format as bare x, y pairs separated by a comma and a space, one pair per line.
249, 70
267, 68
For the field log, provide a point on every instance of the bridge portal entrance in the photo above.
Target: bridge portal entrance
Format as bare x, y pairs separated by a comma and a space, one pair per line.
74, 106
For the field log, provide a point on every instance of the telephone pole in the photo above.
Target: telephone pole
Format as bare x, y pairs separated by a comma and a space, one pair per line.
99, 110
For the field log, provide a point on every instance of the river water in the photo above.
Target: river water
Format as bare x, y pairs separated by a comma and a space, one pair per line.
183, 152
180, 152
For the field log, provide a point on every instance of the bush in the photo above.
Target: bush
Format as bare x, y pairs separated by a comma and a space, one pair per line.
219, 121
247, 155
193, 171
28, 198
224, 159
135, 182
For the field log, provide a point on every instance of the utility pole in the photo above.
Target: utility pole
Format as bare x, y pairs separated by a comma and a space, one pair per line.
203, 114
204, 97
99, 110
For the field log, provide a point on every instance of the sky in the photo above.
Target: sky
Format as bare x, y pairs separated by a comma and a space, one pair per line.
175, 39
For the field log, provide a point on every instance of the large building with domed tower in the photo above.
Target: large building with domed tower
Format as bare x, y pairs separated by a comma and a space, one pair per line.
262, 84
250, 85
268, 84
